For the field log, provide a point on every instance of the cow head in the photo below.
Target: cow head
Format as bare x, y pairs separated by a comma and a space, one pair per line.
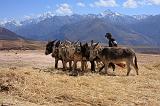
49, 47
93, 51
55, 48
85, 50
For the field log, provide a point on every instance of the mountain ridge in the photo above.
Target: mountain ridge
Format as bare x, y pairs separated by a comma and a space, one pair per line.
132, 30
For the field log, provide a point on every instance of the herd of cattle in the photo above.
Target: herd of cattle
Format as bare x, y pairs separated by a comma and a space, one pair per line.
74, 52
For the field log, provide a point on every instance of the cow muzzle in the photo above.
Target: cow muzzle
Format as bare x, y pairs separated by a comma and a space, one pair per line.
46, 53
91, 58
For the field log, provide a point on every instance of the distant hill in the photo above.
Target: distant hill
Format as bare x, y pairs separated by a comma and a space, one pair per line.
10, 40
6, 34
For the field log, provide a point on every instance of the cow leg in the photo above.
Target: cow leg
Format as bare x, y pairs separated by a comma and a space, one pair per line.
106, 68
82, 65
75, 66
101, 68
74, 71
112, 65
128, 68
56, 63
64, 65
70, 65
92, 66
134, 67
85, 65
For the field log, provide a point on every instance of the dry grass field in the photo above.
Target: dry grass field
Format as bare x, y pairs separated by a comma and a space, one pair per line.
21, 44
28, 78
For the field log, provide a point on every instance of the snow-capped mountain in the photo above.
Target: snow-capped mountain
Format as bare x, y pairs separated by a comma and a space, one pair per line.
107, 15
45, 16
110, 13
10, 24
127, 29
38, 18
10, 21
140, 17
13, 24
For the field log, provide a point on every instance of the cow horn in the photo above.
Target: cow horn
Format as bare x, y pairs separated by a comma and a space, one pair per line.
55, 40
80, 44
76, 42
96, 44
91, 42
68, 41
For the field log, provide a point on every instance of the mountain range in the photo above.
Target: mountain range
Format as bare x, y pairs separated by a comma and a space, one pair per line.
130, 30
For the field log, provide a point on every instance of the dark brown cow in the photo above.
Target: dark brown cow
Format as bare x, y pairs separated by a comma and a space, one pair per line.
115, 55
51, 48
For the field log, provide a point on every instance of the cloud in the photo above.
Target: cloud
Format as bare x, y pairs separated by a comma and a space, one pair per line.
64, 9
26, 17
154, 2
137, 3
130, 4
81, 4
104, 3
91, 5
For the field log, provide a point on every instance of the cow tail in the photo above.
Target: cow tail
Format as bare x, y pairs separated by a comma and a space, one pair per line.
135, 61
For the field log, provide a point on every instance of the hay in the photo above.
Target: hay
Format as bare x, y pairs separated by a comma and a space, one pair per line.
28, 85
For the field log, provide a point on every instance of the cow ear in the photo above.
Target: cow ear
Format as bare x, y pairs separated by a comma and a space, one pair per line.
91, 42
55, 40
49, 41
69, 42
86, 44
76, 42
96, 44
57, 44
52, 42
80, 44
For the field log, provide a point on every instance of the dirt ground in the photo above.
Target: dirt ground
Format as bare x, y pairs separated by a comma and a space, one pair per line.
28, 78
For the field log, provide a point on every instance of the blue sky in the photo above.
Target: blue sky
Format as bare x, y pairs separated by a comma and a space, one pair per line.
20, 8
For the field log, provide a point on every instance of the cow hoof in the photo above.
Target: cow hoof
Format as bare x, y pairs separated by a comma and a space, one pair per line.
113, 75
73, 74
63, 69
103, 73
93, 71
